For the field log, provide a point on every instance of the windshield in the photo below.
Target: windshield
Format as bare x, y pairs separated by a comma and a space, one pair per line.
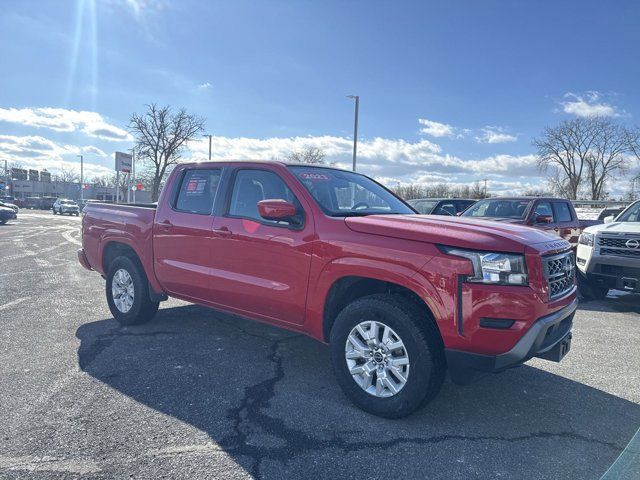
499, 208
632, 214
423, 206
342, 194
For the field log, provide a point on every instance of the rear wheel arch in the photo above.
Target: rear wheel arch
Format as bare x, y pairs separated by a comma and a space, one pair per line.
115, 249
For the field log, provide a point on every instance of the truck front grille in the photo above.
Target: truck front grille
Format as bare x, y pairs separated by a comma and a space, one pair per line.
560, 272
624, 246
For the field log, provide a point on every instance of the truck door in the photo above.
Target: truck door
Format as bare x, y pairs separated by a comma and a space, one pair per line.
261, 267
568, 225
543, 208
182, 234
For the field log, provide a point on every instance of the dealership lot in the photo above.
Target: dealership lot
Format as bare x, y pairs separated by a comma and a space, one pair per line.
199, 394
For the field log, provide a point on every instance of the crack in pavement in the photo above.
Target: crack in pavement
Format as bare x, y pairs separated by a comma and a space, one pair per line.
249, 418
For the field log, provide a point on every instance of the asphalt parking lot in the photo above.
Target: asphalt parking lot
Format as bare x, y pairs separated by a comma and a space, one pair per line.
199, 394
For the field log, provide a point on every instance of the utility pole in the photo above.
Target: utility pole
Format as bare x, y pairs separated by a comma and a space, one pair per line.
81, 178
209, 146
485, 188
133, 173
355, 129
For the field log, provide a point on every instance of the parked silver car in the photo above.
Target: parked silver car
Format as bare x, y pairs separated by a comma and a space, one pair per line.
63, 205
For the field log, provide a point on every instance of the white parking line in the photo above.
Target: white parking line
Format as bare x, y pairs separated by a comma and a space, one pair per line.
14, 302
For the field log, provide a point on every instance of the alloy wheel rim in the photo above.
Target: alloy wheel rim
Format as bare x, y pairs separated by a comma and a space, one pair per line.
122, 290
377, 359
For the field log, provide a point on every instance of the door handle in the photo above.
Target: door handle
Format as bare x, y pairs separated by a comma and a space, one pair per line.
222, 231
166, 225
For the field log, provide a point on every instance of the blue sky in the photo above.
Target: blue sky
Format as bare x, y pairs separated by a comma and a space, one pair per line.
450, 91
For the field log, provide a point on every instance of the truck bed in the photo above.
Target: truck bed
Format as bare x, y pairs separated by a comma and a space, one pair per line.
127, 224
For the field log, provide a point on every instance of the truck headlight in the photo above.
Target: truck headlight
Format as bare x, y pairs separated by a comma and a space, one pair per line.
586, 238
494, 267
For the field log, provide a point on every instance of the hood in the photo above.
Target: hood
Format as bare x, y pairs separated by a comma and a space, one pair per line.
615, 228
462, 232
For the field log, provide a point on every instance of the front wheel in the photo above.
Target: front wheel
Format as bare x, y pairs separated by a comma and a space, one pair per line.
127, 292
387, 355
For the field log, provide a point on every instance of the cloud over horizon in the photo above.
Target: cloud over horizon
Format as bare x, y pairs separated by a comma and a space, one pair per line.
65, 120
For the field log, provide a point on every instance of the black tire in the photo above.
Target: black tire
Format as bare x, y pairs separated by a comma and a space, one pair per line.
2, 222
424, 347
588, 291
143, 308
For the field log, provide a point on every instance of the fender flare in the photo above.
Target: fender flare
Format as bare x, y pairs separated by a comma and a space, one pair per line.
338, 269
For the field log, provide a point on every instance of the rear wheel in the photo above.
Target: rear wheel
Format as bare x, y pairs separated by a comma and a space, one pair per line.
387, 355
127, 292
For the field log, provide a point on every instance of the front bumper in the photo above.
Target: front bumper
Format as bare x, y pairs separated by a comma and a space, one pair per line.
610, 271
82, 258
548, 337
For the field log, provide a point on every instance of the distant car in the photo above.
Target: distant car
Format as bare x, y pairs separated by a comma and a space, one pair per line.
32, 202
63, 205
12, 206
441, 206
46, 203
7, 214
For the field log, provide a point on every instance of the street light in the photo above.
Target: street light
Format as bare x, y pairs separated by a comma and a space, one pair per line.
355, 129
81, 178
209, 146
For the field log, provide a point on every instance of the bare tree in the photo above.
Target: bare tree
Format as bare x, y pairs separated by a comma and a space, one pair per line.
160, 136
609, 155
67, 175
591, 149
308, 154
409, 192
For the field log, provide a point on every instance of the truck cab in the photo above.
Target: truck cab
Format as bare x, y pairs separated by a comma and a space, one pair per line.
554, 215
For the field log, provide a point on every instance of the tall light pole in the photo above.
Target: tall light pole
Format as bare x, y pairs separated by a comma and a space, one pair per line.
355, 129
209, 146
81, 178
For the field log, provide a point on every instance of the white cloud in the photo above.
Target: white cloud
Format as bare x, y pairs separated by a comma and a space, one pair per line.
204, 86
390, 159
495, 135
40, 153
63, 120
588, 105
435, 129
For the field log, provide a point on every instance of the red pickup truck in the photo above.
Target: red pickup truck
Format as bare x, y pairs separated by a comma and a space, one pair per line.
555, 215
399, 297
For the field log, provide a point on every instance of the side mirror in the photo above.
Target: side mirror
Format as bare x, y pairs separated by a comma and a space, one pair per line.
544, 219
276, 209
609, 219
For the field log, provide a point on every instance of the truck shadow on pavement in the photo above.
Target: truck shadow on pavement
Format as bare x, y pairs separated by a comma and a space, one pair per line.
616, 301
268, 399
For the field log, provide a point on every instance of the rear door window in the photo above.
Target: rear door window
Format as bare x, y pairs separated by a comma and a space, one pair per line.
563, 212
198, 191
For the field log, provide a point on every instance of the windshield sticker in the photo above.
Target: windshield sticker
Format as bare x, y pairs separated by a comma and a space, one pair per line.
316, 177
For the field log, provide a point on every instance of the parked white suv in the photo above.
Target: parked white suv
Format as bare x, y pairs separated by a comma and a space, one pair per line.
608, 255
62, 206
